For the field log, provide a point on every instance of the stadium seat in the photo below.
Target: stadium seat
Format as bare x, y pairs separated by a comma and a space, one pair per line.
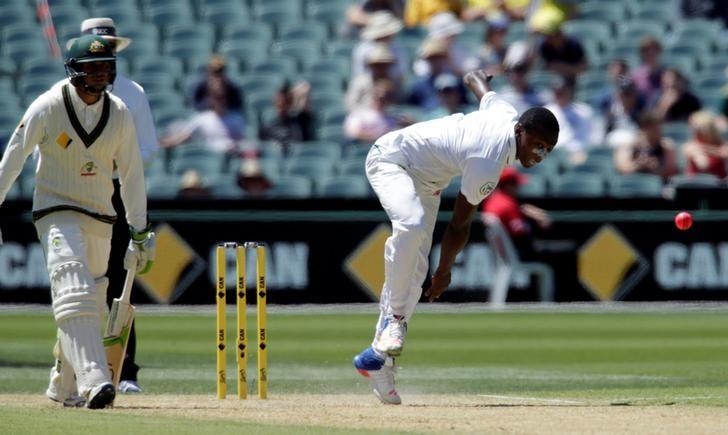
290, 186
330, 64
636, 186
304, 31
345, 186
223, 14
209, 164
577, 185
280, 66
162, 186
536, 186
314, 167
352, 166
169, 65
679, 132
224, 186
613, 12
244, 54
697, 180
304, 52
16, 13
328, 150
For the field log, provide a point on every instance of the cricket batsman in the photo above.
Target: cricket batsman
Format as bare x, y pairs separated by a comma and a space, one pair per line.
407, 169
82, 132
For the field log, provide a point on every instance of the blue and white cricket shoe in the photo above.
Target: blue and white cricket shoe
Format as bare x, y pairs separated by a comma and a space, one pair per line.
390, 340
380, 372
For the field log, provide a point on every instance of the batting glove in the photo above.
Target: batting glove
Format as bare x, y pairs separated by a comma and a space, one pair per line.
141, 250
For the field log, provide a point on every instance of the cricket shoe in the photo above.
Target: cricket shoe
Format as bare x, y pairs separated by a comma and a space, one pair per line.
72, 401
380, 372
129, 387
101, 396
390, 340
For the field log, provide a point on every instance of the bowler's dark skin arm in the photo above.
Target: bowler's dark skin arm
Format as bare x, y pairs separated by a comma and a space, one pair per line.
478, 82
456, 236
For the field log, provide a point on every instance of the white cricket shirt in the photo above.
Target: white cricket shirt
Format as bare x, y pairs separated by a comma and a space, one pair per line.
132, 94
475, 146
78, 145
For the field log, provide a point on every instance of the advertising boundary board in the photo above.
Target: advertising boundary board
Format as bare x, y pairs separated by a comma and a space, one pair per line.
334, 255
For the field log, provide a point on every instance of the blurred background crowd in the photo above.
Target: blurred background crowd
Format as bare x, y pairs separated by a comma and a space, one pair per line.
283, 98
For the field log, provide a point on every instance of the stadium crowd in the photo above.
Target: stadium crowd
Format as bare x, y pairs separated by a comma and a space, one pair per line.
282, 98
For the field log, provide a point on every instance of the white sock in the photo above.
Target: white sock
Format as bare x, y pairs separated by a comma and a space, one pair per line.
83, 347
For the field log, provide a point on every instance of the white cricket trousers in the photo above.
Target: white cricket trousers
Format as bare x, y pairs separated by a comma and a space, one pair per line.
413, 213
77, 250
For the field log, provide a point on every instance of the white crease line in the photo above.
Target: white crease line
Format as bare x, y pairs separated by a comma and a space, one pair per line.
637, 399
534, 399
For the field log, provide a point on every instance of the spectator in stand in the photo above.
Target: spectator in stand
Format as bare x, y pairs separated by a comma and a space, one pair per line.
580, 127
214, 79
252, 179
359, 13
649, 152
492, 53
712, 9
621, 111
379, 62
487, 10
419, 12
218, 127
423, 92
367, 124
192, 186
674, 102
560, 53
382, 29
446, 27
519, 93
706, 152
295, 121
518, 219
447, 86
648, 75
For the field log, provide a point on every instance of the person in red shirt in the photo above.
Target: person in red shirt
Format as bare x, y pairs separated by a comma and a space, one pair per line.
517, 218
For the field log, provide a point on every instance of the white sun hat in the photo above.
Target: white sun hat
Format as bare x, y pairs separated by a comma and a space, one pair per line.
105, 28
381, 24
443, 25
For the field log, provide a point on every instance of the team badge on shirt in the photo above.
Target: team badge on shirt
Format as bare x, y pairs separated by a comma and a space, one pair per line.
63, 140
486, 188
88, 169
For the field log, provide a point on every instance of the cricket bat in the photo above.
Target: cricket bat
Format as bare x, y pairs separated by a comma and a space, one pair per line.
118, 327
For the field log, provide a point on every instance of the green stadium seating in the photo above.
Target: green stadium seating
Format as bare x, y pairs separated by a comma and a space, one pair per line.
613, 12
679, 132
243, 54
162, 186
169, 15
577, 185
278, 66
20, 51
224, 15
15, 13
304, 52
223, 186
169, 65
43, 65
697, 180
314, 167
204, 164
352, 165
636, 186
634, 30
322, 149
290, 186
536, 186
304, 31
345, 186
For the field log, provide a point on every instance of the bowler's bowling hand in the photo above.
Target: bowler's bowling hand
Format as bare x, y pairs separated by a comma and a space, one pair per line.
439, 283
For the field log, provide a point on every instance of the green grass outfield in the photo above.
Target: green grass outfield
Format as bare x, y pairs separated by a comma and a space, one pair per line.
581, 354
